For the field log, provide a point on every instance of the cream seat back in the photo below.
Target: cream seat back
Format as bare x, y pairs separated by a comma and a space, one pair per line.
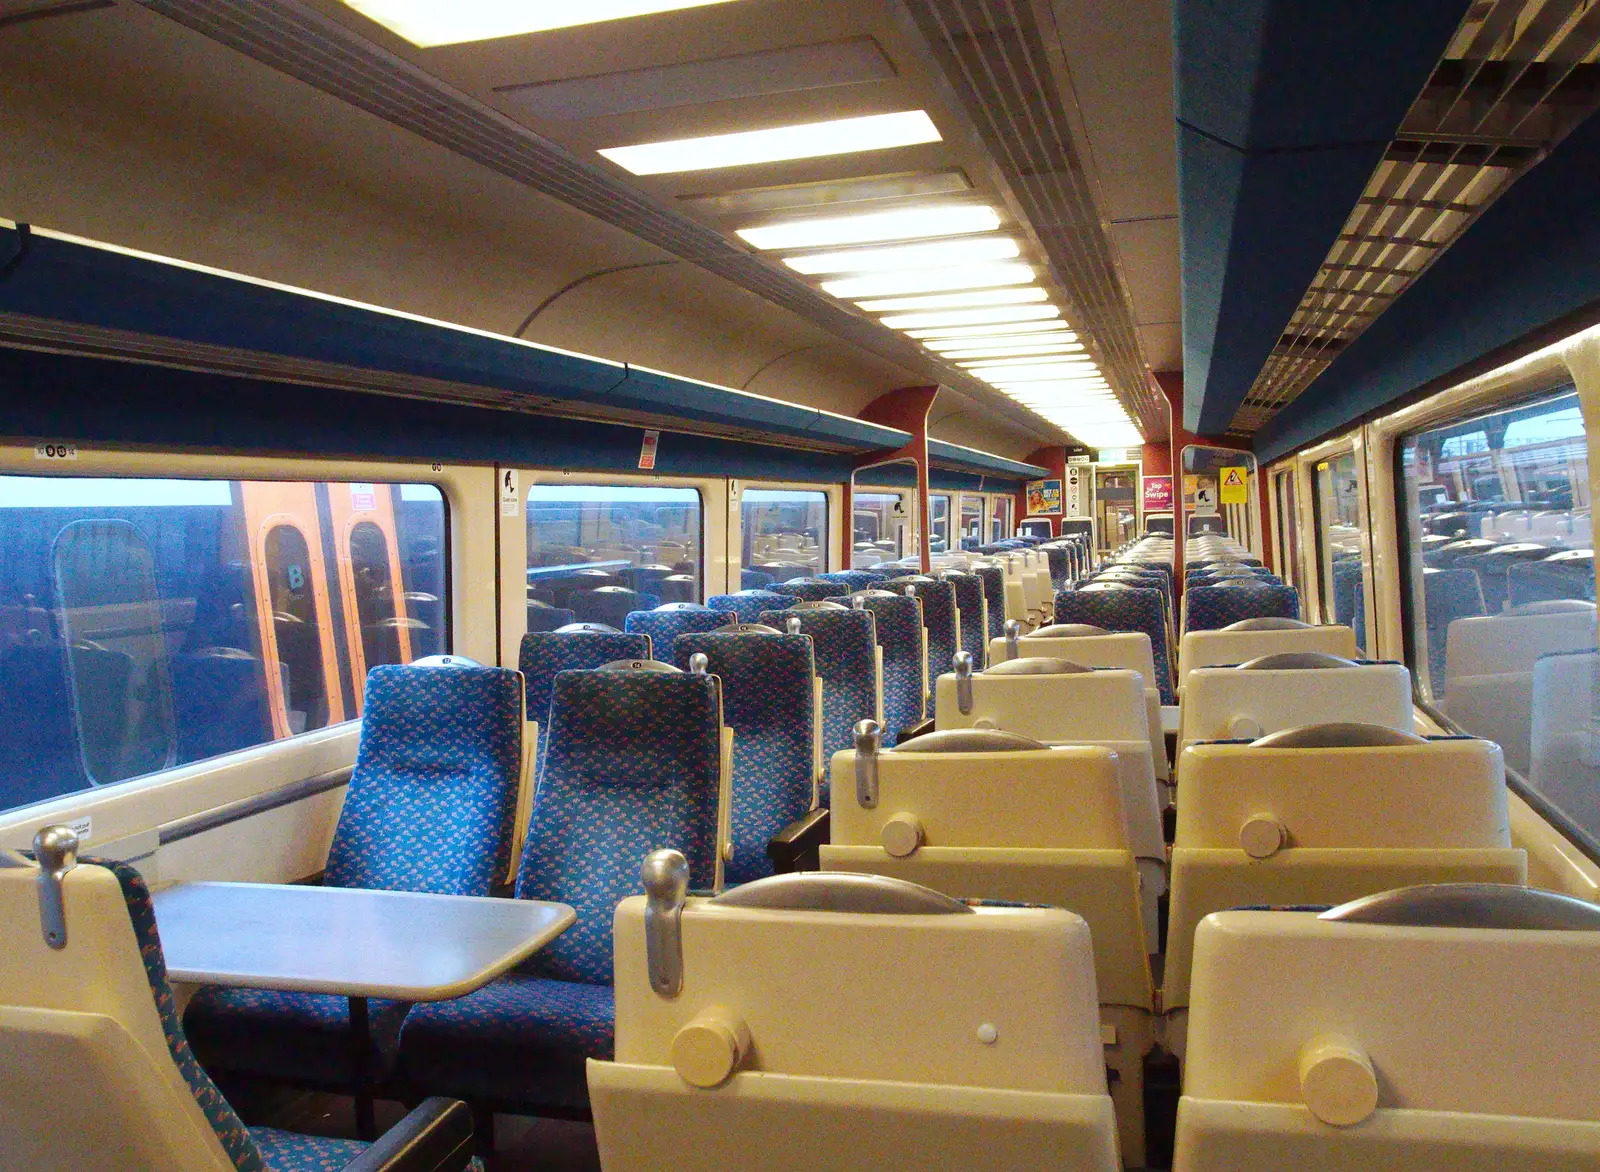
1063, 703
1026, 592
1436, 1028
1253, 638
1489, 668
935, 1035
1328, 813
1277, 692
85, 1072
1094, 647
991, 815
1565, 764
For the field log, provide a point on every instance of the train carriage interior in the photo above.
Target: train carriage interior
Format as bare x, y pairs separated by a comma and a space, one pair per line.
803, 585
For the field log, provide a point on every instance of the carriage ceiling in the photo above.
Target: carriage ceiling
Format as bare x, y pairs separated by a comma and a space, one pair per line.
1040, 170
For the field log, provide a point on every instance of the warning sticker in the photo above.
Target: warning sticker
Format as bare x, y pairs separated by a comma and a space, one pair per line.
1235, 486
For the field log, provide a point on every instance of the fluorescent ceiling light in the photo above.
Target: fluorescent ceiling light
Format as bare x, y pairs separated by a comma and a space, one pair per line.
938, 255
929, 281
1011, 314
826, 194
867, 227
810, 140
946, 345
997, 331
1036, 348
1079, 362
957, 300
426, 23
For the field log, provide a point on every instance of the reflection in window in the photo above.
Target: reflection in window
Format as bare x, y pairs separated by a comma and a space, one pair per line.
1502, 589
1342, 568
1288, 529
596, 552
971, 520
878, 528
1000, 517
369, 566
131, 632
785, 532
938, 523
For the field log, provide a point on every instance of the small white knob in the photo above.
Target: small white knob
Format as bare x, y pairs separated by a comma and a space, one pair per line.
987, 1034
707, 1051
903, 835
1337, 1081
1262, 836
1244, 728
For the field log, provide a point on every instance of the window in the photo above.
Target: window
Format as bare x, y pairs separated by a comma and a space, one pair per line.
1501, 589
148, 623
971, 520
1000, 517
1341, 566
938, 523
786, 528
600, 551
1288, 529
878, 528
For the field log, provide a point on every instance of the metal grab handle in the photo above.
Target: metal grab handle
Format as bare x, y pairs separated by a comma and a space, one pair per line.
666, 888
868, 739
56, 849
793, 624
962, 662
1013, 635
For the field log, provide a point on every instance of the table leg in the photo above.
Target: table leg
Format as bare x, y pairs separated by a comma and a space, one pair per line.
360, 1044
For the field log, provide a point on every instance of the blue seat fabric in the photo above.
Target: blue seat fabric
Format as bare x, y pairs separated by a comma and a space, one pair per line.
1134, 609
1214, 607
664, 626
812, 589
939, 618
899, 628
748, 604
994, 593
969, 602
844, 645
544, 653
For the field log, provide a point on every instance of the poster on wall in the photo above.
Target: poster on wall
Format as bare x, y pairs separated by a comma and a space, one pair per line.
1044, 496
1157, 493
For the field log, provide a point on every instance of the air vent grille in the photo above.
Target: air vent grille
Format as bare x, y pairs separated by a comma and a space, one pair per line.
994, 56
1517, 77
298, 41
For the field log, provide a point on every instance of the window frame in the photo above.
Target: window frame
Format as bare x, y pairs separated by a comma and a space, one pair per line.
135, 807
1313, 546
834, 555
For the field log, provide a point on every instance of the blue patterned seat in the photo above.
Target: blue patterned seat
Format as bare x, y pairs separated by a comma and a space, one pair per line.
970, 605
430, 807
1133, 609
1060, 558
994, 595
1447, 595
610, 605
844, 644
767, 699
811, 589
666, 623
939, 613
1493, 568
252, 1149
748, 604
1210, 608
854, 579
633, 764
544, 653
898, 620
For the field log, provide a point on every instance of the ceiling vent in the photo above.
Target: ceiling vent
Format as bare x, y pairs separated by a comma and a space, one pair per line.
994, 56
1517, 77
295, 39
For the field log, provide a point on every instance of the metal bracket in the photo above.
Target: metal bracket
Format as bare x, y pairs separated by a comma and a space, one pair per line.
666, 888
962, 661
869, 738
56, 849
1013, 635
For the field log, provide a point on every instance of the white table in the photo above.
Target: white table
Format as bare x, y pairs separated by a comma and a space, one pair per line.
349, 942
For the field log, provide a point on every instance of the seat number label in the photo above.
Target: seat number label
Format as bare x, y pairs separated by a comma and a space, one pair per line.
55, 451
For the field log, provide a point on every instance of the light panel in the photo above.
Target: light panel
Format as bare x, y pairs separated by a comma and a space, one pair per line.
1076, 362
809, 140
1003, 330
942, 254
1009, 351
1003, 314
929, 281
868, 227
426, 23
1024, 296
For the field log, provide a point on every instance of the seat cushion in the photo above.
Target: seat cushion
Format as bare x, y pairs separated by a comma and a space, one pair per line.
296, 1037
288, 1151
519, 1039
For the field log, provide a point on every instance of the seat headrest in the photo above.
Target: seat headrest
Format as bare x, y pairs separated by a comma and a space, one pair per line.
1066, 631
1549, 606
640, 665
746, 629
1038, 666
874, 593
1268, 624
587, 629
842, 891
1295, 661
436, 661
970, 740
679, 606
824, 604
1336, 735
1471, 905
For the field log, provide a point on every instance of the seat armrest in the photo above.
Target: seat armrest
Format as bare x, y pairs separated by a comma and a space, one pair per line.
435, 1137
795, 847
